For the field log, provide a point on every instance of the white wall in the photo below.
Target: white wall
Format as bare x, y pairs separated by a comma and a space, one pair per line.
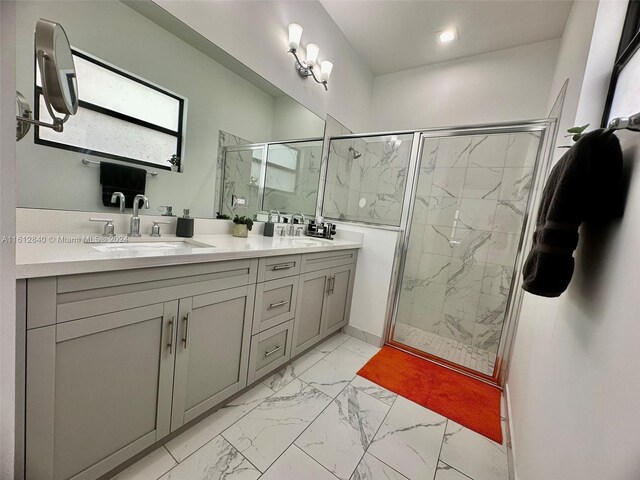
373, 276
511, 84
574, 382
255, 32
7, 249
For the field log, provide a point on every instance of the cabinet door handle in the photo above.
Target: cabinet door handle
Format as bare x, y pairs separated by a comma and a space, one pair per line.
171, 326
266, 354
278, 304
185, 338
283, 266
332, 283
328, 286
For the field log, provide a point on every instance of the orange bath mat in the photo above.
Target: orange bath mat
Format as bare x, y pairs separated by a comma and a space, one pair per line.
467, 401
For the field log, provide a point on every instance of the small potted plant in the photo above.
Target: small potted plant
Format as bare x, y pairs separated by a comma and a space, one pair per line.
242, 226
175, 163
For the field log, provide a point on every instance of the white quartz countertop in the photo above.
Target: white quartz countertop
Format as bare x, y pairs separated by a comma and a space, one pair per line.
45, 255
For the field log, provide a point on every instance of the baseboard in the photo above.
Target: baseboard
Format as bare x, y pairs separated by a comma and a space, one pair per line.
363, 335
511, 451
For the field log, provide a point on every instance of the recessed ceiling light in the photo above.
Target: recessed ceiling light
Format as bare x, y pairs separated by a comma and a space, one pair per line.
449, 35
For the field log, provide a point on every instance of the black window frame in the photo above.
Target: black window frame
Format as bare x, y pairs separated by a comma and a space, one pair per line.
627, 48
112, 113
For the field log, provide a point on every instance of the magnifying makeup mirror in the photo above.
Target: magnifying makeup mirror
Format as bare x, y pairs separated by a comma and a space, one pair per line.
58, 76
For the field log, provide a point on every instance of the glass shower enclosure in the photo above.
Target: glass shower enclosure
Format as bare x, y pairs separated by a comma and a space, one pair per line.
460, 199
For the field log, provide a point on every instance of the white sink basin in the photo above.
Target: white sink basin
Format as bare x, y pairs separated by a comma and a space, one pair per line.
149, 246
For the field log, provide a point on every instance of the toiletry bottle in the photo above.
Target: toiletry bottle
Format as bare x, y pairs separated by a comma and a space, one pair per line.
184, 227
268, 227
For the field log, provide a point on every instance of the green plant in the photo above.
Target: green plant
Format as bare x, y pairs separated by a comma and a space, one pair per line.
576, 133
222, 216
243, 221
174, 160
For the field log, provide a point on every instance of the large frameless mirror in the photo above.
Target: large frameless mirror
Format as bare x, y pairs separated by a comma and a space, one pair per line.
58, 76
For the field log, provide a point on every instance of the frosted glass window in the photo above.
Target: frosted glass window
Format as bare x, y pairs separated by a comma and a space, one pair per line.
103, 134
121, 116
111, 90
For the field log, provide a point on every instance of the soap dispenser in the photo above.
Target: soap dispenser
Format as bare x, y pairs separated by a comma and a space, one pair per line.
184, 227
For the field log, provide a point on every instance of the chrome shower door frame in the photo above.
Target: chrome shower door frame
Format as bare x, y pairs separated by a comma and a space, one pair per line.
547, 129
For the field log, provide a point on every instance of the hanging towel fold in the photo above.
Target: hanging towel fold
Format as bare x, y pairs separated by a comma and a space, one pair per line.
119, 178
583, 186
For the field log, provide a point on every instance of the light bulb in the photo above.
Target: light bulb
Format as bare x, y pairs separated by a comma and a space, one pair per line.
447, 36
312, 54
295, 34
325, 71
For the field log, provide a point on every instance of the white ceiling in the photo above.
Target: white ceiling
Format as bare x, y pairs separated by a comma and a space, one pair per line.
394, 35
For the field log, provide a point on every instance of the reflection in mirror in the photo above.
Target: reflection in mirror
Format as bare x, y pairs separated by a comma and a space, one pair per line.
282, 176
228, 105
292, 177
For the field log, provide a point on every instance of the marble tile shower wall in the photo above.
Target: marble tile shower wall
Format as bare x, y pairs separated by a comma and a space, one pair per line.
466, 227
225, 139
241, 177
369, 188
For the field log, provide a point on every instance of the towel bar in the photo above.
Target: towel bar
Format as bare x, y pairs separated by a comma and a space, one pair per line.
94, 162
625, 123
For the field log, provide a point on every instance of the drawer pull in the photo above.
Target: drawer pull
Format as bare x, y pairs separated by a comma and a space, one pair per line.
266, 354
170, 344
283, 266
278, 304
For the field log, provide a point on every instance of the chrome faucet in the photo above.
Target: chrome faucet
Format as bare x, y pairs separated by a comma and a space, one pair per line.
118, 195
277, 212
292, 228
134, 225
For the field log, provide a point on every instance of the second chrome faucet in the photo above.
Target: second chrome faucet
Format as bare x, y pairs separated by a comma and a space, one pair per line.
134, 224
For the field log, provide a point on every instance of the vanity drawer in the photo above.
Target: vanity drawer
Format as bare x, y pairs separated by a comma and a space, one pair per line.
270, 350
312, 262
272, 268
275, 303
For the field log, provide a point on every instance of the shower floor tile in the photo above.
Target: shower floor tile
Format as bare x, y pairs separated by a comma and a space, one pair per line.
445, 348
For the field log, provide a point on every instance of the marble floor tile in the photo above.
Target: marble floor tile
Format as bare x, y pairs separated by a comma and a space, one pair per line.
286, 374
210, 427
294, 464
331, 374
445, 472
217, 460
332, 343
370, 468
409, 439
151, 467
376, 391
338, 438
267, 431
361, 348
474, 455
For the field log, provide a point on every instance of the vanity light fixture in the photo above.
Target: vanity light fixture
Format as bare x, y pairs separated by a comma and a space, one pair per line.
448, 35
306, 68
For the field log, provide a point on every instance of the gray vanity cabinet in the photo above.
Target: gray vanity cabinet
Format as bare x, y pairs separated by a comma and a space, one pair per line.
311, 309
339, 298
214, 335
98, 390
324, 298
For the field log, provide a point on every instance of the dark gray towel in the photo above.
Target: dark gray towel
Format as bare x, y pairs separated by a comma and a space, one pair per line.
120, 178
583, 186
